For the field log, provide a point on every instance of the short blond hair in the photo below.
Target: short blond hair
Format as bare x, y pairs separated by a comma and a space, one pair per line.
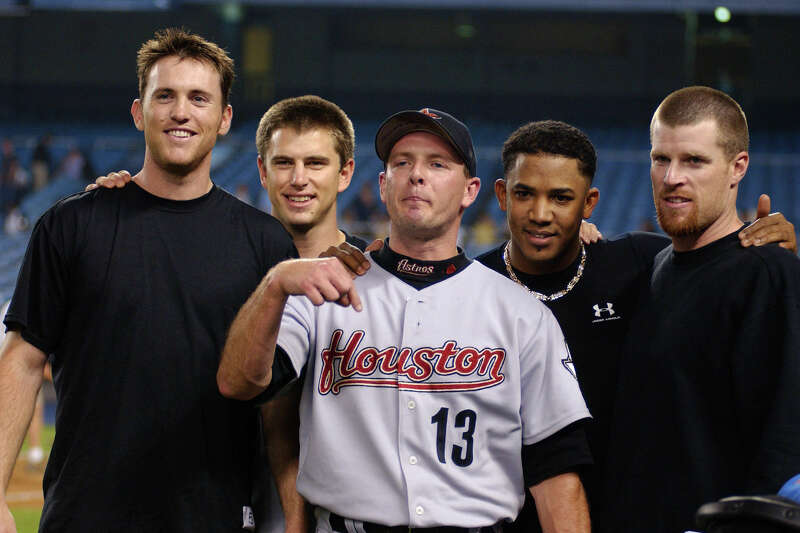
691, 105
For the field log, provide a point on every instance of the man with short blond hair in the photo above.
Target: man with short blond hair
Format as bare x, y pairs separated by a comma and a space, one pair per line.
707, 404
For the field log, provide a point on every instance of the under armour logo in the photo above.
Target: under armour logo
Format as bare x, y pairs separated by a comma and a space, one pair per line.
427, 111
598, 311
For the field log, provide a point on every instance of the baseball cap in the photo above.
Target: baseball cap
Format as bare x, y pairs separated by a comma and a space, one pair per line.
432, 121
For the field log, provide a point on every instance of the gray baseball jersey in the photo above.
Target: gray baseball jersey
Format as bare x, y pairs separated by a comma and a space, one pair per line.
415, 410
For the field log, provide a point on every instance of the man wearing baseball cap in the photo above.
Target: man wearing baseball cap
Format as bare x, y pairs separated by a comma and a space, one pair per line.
416, 411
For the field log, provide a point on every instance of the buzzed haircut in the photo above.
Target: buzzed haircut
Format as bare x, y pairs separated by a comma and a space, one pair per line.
692, 105
303, 113
551, 137
181, 43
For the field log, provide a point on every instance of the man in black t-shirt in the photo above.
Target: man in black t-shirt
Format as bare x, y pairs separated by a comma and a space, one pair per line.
305, 159
592, 289
707, 405
144, 442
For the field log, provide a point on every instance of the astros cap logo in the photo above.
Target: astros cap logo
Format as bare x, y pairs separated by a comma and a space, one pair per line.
427, 111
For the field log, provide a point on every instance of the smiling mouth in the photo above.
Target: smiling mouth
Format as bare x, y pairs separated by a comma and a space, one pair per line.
180, 134
299, 198
539, 238
675, 201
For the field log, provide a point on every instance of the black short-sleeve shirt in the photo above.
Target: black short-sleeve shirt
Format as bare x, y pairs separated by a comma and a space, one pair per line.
132, 296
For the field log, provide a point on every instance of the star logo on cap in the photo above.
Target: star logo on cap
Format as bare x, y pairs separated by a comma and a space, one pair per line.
427, 111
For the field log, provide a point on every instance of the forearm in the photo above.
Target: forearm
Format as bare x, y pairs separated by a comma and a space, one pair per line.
561, 504
245, 369
20, 380
281, 431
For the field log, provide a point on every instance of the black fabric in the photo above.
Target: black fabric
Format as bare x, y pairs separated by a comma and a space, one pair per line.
132, 296
707, 402
283, 373
356, 241
565, 451
613, 276
417, 273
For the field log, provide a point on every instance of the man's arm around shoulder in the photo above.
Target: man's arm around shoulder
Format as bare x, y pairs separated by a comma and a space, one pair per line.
21, 371
561, 504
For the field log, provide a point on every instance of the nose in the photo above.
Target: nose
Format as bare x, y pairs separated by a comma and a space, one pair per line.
299, 178
672, 175
415, 174
180, 110
540, 212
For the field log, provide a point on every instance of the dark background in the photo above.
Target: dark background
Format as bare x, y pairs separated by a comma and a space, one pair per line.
606, 63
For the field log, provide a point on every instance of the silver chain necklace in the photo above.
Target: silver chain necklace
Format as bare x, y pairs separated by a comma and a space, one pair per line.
545, 297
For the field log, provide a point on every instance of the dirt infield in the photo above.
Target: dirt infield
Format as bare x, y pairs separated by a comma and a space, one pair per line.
25, 488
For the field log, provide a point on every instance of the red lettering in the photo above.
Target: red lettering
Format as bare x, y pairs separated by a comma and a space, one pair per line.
466, 361
446, 352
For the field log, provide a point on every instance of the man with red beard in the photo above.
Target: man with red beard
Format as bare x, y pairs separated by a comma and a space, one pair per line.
706, 404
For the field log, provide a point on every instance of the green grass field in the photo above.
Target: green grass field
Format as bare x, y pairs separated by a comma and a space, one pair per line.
27, 519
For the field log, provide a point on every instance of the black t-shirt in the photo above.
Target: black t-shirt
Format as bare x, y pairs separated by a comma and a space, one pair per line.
132, 296
594, 317
708, 402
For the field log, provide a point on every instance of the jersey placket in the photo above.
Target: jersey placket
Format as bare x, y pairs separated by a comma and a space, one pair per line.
409, 445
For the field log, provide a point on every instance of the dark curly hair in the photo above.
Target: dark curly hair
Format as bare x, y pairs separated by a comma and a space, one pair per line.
554, 138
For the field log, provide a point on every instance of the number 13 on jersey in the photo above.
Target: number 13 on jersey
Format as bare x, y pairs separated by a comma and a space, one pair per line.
461, 454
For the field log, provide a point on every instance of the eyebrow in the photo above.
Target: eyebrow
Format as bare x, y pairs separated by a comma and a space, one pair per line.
430, 155
313, 156
558, 190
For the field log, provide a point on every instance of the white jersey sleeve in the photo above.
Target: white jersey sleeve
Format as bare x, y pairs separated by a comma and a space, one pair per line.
551, 397
295, 333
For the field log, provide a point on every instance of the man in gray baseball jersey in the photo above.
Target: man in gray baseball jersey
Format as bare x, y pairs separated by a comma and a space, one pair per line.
416, 412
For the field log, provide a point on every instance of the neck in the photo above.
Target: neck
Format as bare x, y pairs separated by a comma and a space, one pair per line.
436, 249
164, 184
723, 226
548, 266
313, 242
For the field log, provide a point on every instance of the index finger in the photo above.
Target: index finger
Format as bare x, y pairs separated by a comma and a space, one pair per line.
355, 299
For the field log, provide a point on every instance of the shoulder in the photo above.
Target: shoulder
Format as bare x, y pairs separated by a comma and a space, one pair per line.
637, 247
72, 212
782, 266
500, 291
254, 219
644, 242
493, 258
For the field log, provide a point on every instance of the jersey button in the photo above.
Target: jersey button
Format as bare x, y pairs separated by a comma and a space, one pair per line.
419, 510
412, 460
412, 404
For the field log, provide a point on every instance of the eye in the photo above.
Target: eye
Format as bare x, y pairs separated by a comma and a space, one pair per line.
438, 164
522, 194
659, 159
563, 198
200, 99
694, 160
282, 162
316, 163
162, 95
